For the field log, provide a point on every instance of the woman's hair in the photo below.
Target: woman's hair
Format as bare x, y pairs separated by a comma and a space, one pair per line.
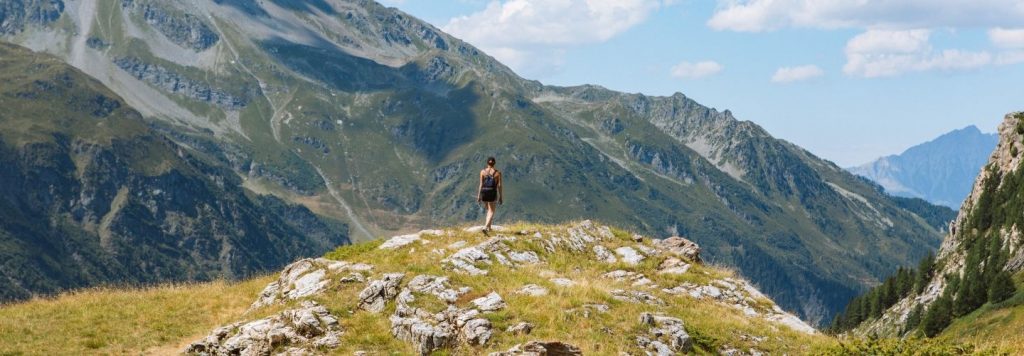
490, 161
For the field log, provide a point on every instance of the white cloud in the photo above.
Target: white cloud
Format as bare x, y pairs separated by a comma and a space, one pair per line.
1007, 37
1010, 57
532, 35
882, 53
687, 70
766, 15
796, 74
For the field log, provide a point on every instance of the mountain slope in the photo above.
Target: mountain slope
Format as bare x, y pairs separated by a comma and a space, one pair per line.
940, 171
572, 295
365, 114
971, 283
90, 195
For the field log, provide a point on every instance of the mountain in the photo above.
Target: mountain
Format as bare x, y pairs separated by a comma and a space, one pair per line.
580, 285
974, 281
940, 171
370, 116
90, 195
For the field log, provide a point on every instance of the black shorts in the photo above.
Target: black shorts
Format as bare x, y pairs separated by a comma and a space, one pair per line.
488, 195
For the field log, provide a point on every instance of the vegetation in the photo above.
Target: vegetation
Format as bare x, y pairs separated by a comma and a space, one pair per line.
166, 319
894, 346
875, 301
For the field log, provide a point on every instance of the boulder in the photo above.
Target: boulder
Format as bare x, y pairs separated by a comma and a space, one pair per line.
376, 295
532, 290
665, 331
629, 255
604, 255
542, 348
523, 328
490, 302
681, 247
402, 240
307, 329
633, 296
303, 278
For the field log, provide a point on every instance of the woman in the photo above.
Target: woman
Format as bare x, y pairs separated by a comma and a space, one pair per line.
489, 190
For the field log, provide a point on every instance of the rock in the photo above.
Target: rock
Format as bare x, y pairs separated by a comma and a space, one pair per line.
563, 282
307, 329
604, 255
302, 278
539, 348
444, 329
436, 286
681, 247
402, 240
425, 336
673, 265
376, 295
668, 329
465, 261
637, 238
532, 290
621, 275
490, 302
353, 278
629, 255
633, 296
523, 328
457, 245
524, 257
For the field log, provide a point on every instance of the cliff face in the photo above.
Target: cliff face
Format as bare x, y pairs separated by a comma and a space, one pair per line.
90, 195
370, 116
992, 214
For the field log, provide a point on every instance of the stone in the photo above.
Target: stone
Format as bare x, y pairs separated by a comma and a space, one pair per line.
629, 255
403, 240
668, 329
465, 260
490, 302
673, 265
524, 257
604, 255
563, 282
376, 295
353, 278
532, 290
542, 348
436, 286
305, 330
302, 278
681, 247
522, 328
638, 297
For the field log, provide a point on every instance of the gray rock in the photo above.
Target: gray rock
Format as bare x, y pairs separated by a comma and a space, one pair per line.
523, 328
668, 329
633, 296
524, 257
305, 330
673, 265
681, 247
375, 296
490, 302
353, 278
302, 278
436, 286
542, 348
604, 255
563, 282
629, 255
532, 290
403, 240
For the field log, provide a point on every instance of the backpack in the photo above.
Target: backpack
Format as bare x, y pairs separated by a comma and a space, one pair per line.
490, 182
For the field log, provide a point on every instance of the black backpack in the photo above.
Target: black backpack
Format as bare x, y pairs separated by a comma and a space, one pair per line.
490, 182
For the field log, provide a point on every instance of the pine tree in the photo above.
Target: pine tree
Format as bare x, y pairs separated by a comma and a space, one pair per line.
924, 273
1001, 287
938, 317
914, 318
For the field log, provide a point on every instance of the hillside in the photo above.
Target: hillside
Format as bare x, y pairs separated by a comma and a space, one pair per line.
940, 171
972, 289
90, 195
367, 115
599, 289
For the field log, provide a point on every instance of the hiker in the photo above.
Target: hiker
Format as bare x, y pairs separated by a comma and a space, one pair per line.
489, 191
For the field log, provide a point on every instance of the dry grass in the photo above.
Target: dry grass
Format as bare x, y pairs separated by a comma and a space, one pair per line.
164, 319
157, 320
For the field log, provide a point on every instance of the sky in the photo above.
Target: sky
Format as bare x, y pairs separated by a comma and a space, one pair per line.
849, 80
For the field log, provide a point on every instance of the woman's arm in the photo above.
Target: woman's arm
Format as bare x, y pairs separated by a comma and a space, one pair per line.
479, 185
500, 190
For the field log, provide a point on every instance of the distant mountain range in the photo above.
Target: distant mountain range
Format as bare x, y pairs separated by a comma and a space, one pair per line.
940, 171
369, 116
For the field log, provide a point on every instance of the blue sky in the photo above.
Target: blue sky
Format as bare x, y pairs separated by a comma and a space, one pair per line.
846, 79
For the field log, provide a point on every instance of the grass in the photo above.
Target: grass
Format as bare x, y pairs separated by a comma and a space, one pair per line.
158, 320
997, 326
165, 319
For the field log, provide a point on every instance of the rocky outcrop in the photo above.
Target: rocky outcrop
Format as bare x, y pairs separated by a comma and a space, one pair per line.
304, 330
666, 335
428, 330
185, 29
379, 292
171, 81
541, 348
305, 278
682, 247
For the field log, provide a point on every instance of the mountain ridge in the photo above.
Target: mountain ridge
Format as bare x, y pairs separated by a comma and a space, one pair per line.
367, 115
940, 170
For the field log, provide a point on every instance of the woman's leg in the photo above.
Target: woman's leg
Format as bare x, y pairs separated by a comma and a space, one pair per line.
490, 214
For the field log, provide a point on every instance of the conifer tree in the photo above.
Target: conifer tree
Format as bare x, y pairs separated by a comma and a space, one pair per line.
938, 316
1001, 287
